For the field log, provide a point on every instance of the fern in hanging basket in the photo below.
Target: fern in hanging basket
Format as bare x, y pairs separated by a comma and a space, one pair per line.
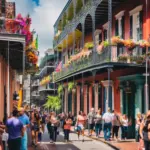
60, 90
71, 86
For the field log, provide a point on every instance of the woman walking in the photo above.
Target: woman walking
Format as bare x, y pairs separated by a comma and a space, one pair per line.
145, 131
52, 127
115, 125
98, 123
124, 127
80, 124
67, 127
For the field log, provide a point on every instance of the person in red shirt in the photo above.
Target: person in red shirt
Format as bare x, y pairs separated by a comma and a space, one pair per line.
67, 127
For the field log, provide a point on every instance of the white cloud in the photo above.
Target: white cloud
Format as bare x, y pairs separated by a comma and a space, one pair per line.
43, 18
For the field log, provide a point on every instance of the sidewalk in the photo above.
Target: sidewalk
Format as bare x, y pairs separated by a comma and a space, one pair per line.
120, 145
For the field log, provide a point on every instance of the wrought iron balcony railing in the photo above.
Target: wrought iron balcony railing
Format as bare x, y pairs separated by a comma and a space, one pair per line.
74, 22
115, 54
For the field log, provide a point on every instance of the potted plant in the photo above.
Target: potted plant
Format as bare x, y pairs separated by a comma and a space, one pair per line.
89, 45
123, 58
116, 40
71, 87
143, 43
60, 90
140, 59
130, 44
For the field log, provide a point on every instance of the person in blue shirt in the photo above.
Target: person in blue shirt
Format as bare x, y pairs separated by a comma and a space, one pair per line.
25, 120
15, 129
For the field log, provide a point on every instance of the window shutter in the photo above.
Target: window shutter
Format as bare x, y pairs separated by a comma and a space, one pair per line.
131, 26
116, 28
123, 27
141, 25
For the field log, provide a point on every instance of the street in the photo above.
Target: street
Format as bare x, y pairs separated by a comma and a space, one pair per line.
75, 144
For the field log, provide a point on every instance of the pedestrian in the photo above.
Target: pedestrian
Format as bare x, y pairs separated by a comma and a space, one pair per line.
35, 126
124, 127
52, 127
137, 127
98, 123
115, 124
145, 131
43, 121
91, 117
67, 127
80, 125
15, 129
25, 120
107, 117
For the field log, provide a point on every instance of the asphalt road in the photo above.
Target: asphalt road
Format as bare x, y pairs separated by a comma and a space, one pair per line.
75, 144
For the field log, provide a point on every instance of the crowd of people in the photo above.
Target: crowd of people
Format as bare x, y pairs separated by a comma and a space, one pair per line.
23, 124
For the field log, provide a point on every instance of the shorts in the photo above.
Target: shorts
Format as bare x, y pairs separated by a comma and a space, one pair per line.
35, 127
91, 126
79, 127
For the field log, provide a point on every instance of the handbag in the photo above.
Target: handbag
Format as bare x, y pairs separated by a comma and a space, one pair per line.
5, 136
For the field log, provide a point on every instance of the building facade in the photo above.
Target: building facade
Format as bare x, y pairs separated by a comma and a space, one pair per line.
102, 47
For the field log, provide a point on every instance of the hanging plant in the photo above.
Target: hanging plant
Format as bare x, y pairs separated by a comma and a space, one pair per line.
60, 90
71, 86
89, 45
71, 12
79, 6
143, 43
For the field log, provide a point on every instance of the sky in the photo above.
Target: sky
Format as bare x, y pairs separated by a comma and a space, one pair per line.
44, 13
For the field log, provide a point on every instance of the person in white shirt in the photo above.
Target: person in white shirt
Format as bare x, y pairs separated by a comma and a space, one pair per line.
107, 117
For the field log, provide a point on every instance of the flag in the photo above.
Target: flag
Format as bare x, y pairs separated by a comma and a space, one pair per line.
58, 67
36, 43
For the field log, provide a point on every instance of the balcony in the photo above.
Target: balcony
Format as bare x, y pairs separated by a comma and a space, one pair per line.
74, 22
95, 60
47, 87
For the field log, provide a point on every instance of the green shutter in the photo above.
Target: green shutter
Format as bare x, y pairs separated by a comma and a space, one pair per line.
116, 27
123, 27
131, 26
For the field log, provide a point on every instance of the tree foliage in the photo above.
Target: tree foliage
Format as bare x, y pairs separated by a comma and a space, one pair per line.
79, 6
53, 102
71, 12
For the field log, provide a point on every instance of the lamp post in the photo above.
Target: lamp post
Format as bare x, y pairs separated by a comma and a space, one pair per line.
146, 76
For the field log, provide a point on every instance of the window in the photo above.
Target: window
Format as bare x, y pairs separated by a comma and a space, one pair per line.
119, 25
105, 27
136, 23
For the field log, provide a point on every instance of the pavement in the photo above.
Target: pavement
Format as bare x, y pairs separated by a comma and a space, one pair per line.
90, 143
75, 144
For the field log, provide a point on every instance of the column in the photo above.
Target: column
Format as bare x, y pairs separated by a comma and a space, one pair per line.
96, 97
66, 101
73, 102
139, 97
78, 99
108, 103
121, 101
85, 98
83, 32
93, 29
90, 97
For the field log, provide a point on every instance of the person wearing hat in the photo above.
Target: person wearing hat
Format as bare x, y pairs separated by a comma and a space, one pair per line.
15, 129
25, 120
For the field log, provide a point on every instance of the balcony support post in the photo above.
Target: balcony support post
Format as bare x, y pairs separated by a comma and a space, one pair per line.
83, 33
109, 26
74, 41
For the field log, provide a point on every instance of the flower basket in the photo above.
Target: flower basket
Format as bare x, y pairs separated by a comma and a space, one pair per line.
122, 58
143, 44
130, 44
116, 40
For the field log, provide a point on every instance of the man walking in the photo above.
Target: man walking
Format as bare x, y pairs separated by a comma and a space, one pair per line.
25, 121
91, 117
107, 124
15, 129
